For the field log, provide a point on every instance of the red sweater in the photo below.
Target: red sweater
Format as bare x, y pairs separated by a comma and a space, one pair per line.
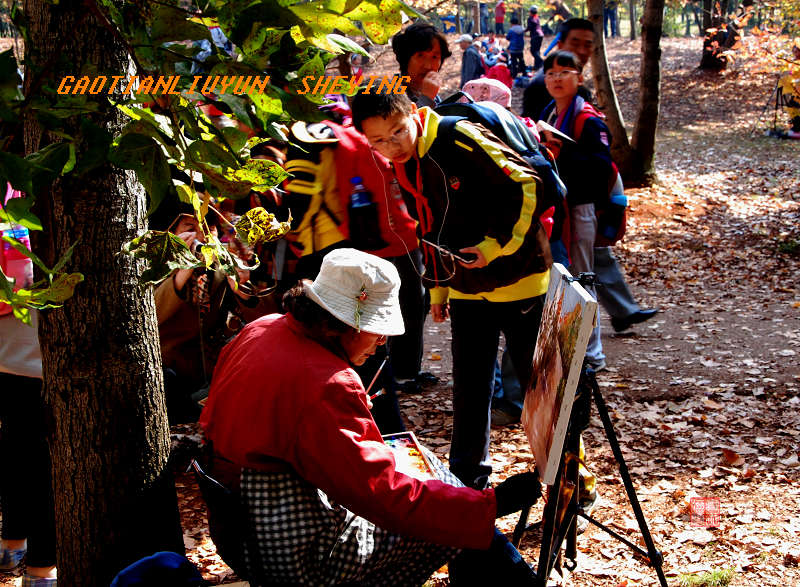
276, 394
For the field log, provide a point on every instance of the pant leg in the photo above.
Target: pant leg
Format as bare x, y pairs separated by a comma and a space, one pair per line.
584, 230
520, 325
613, 295
406, 350
536, 47
475, 336
26, 493
500, 564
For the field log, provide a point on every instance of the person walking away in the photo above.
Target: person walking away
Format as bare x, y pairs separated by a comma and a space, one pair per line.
516, 47
535, 30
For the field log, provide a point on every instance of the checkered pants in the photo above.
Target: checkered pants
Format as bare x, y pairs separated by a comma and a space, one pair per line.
305, 539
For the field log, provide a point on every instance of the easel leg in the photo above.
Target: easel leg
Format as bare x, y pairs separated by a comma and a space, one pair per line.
656, 558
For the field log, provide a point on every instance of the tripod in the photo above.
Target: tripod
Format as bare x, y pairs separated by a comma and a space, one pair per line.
560, 515
777, 98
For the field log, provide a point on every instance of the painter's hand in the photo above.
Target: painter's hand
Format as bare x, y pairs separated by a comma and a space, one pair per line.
440, 312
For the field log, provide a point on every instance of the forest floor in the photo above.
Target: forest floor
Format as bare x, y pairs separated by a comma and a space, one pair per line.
705, 397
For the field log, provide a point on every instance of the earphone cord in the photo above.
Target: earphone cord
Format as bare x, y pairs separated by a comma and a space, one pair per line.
437, 252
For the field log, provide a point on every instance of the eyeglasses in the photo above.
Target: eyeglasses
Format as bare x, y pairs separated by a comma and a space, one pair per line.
554, 75
381, 339
397, 137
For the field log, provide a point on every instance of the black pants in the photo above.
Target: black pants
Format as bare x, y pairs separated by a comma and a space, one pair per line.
405, 350
536, 46
476, 326
517, 63
26, 494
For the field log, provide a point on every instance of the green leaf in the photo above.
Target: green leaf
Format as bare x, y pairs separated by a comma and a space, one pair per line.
261, 174
142, 154
170, 24
268, 105
257, 226
238, 106
210, 153
164, 253
322, 21
17, 171
96, 141
22, 249
62, 288
48, 163
18, 211
347, 45
65, 257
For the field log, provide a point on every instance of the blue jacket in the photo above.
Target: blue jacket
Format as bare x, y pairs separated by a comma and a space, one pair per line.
516, 38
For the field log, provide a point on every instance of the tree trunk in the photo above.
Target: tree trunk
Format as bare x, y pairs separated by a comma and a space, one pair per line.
115, 499
632, 18
708, 6
458, 17
604, 88
644, 133
476, 18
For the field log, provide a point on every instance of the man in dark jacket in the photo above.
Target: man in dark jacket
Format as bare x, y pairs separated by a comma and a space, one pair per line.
498, 275
471, 62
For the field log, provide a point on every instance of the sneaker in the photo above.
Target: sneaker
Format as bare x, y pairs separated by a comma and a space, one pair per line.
587, 505
426, 378
409, 387
502, 418
28, 581
10, 559
598, 366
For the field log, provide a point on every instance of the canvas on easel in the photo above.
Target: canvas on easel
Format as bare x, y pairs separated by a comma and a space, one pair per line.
568, 317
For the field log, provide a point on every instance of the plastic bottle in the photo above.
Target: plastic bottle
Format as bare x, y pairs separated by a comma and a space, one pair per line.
363, 218
360, 196
16, 265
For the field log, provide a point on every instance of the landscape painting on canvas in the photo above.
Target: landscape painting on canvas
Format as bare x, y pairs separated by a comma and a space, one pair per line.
567, 321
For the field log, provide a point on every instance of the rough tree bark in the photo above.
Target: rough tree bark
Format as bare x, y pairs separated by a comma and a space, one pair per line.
708, 6
643, 141
604, 87
115, 499
633, 157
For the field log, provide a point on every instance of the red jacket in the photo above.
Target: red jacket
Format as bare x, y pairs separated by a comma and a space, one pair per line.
276, 394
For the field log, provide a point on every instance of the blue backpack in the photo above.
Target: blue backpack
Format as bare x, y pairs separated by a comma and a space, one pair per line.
513, 132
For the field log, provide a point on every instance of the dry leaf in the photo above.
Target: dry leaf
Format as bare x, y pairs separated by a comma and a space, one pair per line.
733, 458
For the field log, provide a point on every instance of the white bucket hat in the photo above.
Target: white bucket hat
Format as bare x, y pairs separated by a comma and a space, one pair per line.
361, 290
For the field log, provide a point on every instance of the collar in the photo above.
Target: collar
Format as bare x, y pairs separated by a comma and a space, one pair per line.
428, 128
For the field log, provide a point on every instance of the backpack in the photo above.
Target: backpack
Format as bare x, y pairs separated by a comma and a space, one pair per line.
513, 132
612, 214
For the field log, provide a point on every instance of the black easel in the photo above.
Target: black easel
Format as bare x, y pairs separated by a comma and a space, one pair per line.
776, 98
555, 530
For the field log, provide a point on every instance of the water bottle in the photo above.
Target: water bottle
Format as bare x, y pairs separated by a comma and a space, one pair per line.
363, 218
360, 196
16, 265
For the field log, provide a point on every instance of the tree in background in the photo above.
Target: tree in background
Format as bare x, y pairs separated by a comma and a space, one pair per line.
88, 162
634, 157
